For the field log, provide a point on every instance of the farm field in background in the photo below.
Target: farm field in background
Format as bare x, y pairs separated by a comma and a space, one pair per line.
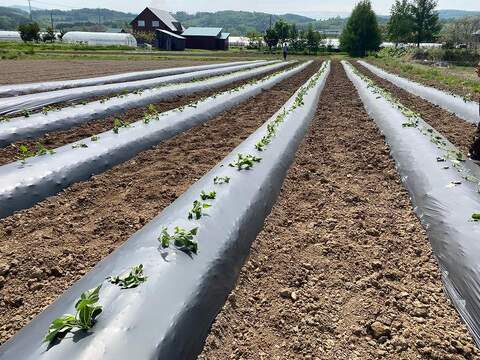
266, 195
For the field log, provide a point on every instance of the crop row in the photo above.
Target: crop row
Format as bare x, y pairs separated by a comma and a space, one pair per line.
445, 197
22, 89
170, 313
25, 103
26, 182
52, 119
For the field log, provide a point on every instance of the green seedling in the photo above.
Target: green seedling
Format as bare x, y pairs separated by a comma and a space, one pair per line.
79, 145
26, 113
197, 210
87, 311
182, 239
24, 153
150, 113
245, 162
4, 118
42, 150
94, 138
129, 280
217, 180
47, 109
208, 196
476, 216
117, 124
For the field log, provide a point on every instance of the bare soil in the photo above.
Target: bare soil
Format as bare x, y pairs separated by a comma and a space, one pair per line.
58, 138
456, 130
45, 249
27, 71
343, 268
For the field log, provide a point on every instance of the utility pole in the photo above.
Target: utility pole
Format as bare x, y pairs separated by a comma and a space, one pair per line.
51, 20
30, 7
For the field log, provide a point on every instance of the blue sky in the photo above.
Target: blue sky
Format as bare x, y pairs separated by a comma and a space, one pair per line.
306, 7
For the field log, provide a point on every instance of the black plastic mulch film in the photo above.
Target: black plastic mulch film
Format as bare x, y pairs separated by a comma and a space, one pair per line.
169, 315
444, 193
40, 123
22, 184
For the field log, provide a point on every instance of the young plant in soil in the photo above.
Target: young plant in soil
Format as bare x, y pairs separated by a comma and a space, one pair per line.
150, 113
245, 161
129, 280
87, 311
94, 138
197, 210
476, 216
218, 180
181, 238
208, 196
79, 145
117, 124
24, 152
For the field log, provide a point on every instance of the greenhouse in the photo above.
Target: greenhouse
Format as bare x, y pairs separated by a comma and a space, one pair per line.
100, 38
10, 36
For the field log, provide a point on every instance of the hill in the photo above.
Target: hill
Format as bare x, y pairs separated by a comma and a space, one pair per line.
235, 22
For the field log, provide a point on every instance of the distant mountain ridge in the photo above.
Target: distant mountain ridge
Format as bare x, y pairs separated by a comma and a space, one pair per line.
235, 22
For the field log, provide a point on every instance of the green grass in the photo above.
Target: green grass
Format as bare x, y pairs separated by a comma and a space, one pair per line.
457, 79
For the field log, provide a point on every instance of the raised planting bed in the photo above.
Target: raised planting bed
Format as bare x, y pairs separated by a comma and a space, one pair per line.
53, 120
26, 103
25, 182
463, 108
22, 89
443, 186
169, 313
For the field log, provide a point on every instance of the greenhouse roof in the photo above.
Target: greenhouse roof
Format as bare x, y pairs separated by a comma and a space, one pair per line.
202, 31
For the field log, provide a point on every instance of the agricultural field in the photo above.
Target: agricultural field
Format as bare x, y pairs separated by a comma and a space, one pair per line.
236, 208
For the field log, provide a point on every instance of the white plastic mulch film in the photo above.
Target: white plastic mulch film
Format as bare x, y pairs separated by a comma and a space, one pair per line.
444, 189
170, 315
463, 108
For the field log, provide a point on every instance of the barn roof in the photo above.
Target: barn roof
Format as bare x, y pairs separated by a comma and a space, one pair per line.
167, 19
171, 34
224, 36
202, 31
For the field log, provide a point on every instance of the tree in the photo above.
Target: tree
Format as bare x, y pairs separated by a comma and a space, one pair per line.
254, 40
361, 33
425, 20
271, 38
282, 29
294, 38
29, 32
49, 35
313, 39
400, 24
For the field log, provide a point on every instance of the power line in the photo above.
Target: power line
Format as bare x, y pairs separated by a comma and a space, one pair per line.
53, 4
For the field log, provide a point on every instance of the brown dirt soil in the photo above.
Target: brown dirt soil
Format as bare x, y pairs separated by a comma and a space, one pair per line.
55, 139
45, 249
27, 71
343, 268
456, 130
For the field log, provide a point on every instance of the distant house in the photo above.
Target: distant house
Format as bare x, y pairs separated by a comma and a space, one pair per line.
151, 19
206, 38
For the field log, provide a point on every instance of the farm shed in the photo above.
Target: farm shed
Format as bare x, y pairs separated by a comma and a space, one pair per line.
166, 40
151, 19
10, 36
100, 38
206, 38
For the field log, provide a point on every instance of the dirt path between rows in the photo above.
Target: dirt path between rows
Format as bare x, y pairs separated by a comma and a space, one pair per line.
43, 250
28, 71
58, 138
343, 268
457, 131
